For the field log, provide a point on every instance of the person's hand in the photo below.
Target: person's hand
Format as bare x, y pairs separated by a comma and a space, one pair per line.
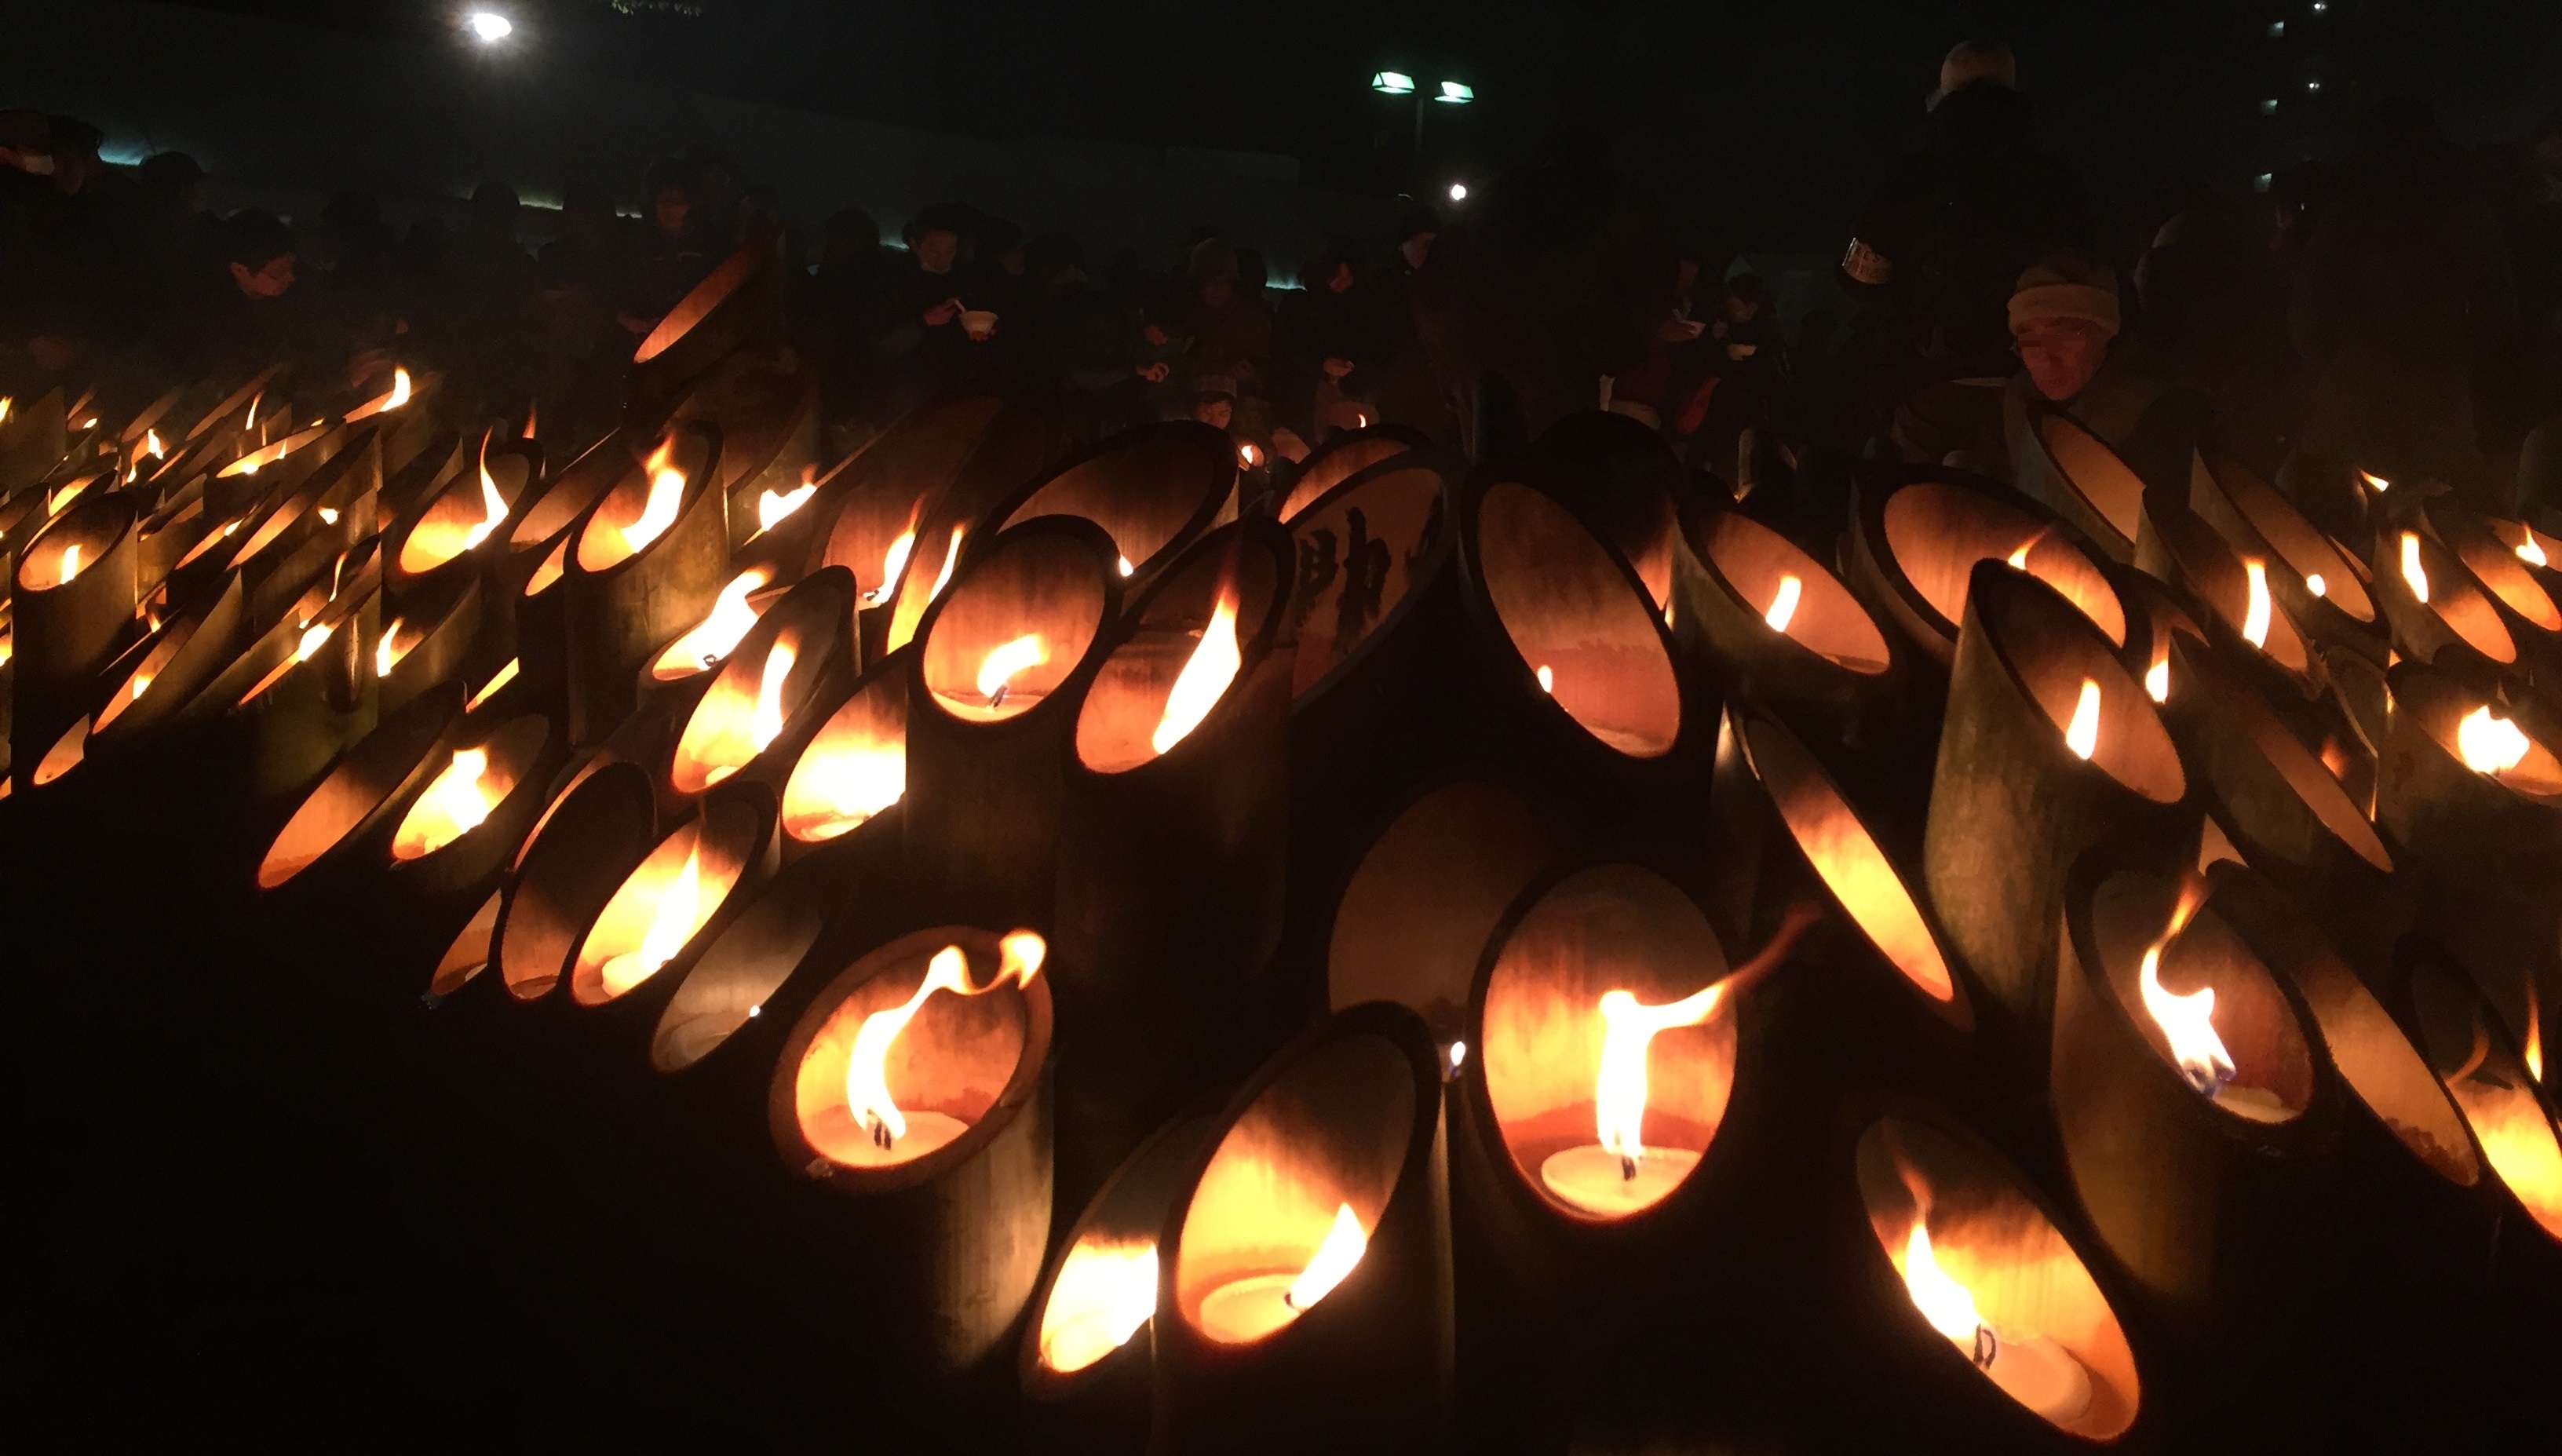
1336, 367
1153, 373
368, 365
942, 313
1288, 445
53, 353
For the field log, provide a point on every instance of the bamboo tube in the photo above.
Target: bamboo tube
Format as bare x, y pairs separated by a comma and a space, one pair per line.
72, 607
629, 595
2079, 477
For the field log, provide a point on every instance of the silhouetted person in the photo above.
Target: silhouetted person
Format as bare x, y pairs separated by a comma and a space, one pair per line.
2214, 319
673, 255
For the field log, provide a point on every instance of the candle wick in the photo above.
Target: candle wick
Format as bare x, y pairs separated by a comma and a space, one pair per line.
1987, 1347
881, 1134
1627, 1169
997, 699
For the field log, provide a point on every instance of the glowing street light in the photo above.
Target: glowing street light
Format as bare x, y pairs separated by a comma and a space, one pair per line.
1393, 82
489, 27
1456, 93
1458, 192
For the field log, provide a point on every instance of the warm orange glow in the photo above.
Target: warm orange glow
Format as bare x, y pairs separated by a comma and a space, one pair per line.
454, 805
1205, 675
893, 562
2315, 584
2533, 1051
71, 564
2489, 744
328, 516
1126, 566
2531, 552
1619, 1093
997, 671
2379, 483
388, 651
674, 923
1335, 1258
867, 1093
2032, 1370
2412, 570
2255, 622
400, 390
2187, 1020
718, 633
1248, 456
2157, 681
951, 559
1783, 607
1946, 1304
152, 445
766, 723
666, 494
771, 507
554, 567
55, 503
1546, 678
2082, 735
494, 509
312, 638
2019, 559
1102, 1294
497, 680
1251, 1308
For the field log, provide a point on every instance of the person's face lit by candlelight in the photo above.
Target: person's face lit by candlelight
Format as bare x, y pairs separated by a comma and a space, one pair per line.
1216, 410
2063, 355
936, 250
1340, 280
668, 209
1417, 250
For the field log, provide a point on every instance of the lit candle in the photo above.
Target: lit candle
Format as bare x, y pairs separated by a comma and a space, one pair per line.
1783, 607
901, 1135
1248, 1309
1620, 1175
2030, 1369
1103, 1294
2082, 735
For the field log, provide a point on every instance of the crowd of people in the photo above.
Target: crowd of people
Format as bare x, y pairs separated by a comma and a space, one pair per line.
2395, 311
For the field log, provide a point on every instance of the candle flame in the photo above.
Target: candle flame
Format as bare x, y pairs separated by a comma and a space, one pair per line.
2254, 621
71, 564
530, 411
2083, 734
1335, 1260
718, 633
1783, 607
328, 516
2531, 552
2315, 584
951, 558
2489, 744
312, 638
387, 652
400, 390
997, 674
497, 680
895, 561
1126, 566
2533, 1051
1212, 666
2379, 483
670, 928
766, 723
1946, 1304
2187, 1020
771, 507
2412, 570
1546, 680
152, 445
1102, 1294
454, 805
494, 509
1628, 1028
2019, 559
666, 494
867, 1094
1248, 456
2157, 681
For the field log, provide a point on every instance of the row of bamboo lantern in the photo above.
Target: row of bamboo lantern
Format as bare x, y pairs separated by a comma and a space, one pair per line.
1441, 956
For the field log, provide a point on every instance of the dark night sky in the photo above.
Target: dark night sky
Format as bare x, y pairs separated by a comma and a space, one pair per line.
1768, 115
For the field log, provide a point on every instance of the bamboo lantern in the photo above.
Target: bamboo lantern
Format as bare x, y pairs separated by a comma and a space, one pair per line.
788, 525
769, 424
1304, 1302
439, 637
1087, 1364
2241, 614
471, 817
733, 304
1778, 627
2432, 603
404, 417
915, 1088
33, 440
2319, 586
1340, 457
1171, 843
645, 565
1916, 537
166, 535
536, 566
2494, 1087
2050, 747
672, 904
1621, 479
465, 525
1154, 489
1881, 997
309, 531
71, 608
597, 829
924, 487
2074, 473
775, 691
2525, 607
304, 690
349, 818
993, 694
164, 672
2194, 1104
854, 768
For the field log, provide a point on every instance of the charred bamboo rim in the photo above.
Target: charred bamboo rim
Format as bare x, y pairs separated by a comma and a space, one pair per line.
1034, 603
667, 665
2438, 706
856, 766
565, 499
1984, 1227
2483, 1070
364, 785
2050, 651
2095, 473
2453, 598
443, 532
1332, 1123
2221, 692
1429, 893
1174, 643
2117, 917
166, 644
269, 455
468, 953
95, 526
1539, 1034
1363, 548
1153, 488
959, 1071
1753, 565
67, 754
667, 899
600, 825
604, 542
2296, 541
2218, 577
803, 636
714, 291
1340, 459
1101, 1290
1577, 617
2374, 1056
2498, 569
507, 757
1933, 531
746, 964
239, 401
340, 619
1845, 855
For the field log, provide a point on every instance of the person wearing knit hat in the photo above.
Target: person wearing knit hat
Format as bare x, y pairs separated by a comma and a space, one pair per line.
2063, 315
1969, 62
2065, 318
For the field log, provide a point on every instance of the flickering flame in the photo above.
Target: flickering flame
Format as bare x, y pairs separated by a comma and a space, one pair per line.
2412, 570
1946, 1304
2489, 744
860, 783
2187, 1020
2019, 558
771, 507
529, 421
1619, 1093
494, 509
766, 723
895, 561
141, 686
2315, 584
1783, 607
670, 928
312, 638
1248, 456
55, 503
2531, 552
387, 652
400, 390
328, 516
997, 674
718, 633
2377, 481
2157, 681
1212, 666
1335, 1258
2254, 621
951, 558
2534, 1047
451, 806
71, 564
1546, 680
666, 493
497, 680
867, 1094
1102, 1294
2083, 734
152, 445
1126, 566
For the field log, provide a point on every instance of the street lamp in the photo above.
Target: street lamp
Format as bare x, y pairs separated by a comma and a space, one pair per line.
1456, 93
489, 27
1398, 84
1393, 82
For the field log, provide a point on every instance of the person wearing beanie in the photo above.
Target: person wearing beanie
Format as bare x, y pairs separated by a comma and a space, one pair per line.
1940, 244
2065, 321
